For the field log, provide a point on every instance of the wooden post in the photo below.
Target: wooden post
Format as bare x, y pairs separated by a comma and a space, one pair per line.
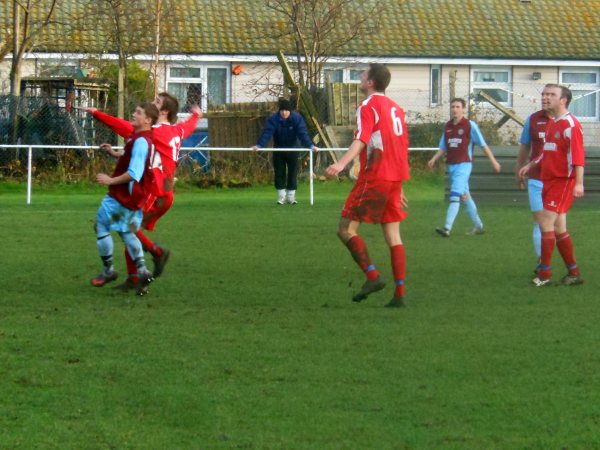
305, 99
508, 114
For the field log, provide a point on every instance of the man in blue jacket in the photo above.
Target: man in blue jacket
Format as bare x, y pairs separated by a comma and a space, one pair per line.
286, 127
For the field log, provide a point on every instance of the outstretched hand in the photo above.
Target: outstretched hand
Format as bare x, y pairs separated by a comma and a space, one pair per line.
195, 109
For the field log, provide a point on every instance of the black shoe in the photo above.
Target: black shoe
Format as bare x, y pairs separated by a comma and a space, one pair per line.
571, 280
142, 286
443, 231
160, 262
396, 303
368, 288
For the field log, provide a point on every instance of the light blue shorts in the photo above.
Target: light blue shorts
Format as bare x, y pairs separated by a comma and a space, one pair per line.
534, 189
459, 178
115, 217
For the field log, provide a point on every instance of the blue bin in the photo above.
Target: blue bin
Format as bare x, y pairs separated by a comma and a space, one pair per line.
198, 139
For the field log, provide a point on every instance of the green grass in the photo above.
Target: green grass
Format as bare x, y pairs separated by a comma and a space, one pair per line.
250, 339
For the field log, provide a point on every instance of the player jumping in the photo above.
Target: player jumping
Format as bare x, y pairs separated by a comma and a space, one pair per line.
168, 137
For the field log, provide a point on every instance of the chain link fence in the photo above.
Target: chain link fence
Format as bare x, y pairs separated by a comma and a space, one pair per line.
40, 121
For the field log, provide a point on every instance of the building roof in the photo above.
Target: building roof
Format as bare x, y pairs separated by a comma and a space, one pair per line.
503, 29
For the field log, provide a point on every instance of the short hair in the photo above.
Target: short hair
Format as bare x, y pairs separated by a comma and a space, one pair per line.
380, 76
150, 110
171, 105
565, 92
459, 100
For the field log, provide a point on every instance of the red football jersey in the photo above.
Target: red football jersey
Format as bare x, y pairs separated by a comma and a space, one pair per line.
381, 126
563, 148
167, 142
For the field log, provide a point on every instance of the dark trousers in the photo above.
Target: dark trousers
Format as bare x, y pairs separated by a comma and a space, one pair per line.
281, 162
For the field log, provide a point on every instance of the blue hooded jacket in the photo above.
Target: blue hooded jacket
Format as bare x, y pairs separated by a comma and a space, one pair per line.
285, 132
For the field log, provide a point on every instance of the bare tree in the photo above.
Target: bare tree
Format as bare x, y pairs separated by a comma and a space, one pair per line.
30, 18
321, 29
124, 23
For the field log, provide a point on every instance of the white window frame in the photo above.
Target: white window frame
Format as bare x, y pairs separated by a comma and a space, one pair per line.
202, 79
506, 86
577, 89
432, 88
345, 73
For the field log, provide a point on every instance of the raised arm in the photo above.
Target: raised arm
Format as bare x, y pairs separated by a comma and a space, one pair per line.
120, 126
189, 126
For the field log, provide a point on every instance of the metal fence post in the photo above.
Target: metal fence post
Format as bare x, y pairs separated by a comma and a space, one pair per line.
311, 176
29, 158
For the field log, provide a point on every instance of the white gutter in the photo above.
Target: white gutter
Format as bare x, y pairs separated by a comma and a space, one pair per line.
233, 58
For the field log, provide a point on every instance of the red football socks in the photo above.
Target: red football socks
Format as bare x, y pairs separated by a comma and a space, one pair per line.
147, 243
565, 247
548, 240
358, 250
398, 268
131, 267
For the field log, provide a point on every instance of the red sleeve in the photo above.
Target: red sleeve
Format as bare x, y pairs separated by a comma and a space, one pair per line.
365, 124
189, 126
120, 126
577, 152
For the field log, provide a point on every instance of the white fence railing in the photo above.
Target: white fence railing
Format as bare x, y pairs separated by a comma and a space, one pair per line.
30, 149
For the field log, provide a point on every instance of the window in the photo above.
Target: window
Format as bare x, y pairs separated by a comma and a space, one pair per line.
342, 75
54, 68
494, 81
217, 86
185, 72
354, 75
436, 84
200, 84
334, 75
584, 84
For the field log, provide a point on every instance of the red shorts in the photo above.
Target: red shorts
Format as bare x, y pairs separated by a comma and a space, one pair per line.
158, 209
374, 201
557, 194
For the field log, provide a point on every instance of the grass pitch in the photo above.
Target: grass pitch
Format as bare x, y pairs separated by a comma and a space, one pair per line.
250, 340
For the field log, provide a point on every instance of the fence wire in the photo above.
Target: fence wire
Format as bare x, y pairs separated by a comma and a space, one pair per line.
41, 121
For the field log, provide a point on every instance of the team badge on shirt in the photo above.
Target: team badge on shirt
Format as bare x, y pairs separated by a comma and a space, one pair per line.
461, 132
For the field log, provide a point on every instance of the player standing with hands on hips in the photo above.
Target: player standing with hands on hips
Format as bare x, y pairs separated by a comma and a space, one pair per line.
456, 143
381, 141
562, 163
